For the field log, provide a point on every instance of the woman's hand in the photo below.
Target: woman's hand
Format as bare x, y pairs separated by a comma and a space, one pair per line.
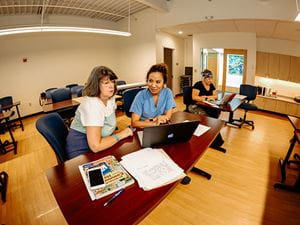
161, 119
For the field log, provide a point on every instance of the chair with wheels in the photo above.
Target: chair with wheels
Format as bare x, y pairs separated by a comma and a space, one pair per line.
250, 91
54, 130
128, 97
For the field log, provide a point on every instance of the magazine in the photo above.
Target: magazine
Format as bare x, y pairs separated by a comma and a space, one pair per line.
115, 176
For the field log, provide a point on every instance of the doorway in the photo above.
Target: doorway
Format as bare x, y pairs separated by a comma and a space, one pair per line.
234, 70
168, 59
228, 67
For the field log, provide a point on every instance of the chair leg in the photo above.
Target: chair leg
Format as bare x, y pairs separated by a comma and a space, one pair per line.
3, 185
201, 172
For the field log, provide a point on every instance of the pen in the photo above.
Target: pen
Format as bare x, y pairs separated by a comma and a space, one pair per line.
114, 197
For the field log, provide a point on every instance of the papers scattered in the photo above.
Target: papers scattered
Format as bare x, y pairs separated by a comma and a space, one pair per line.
201, 129
152, 168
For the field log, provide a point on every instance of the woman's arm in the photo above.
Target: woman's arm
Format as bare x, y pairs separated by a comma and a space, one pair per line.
214, 96
196, 97
136, 122
97, 143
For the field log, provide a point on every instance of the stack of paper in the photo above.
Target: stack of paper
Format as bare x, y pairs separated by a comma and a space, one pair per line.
201, 129
152, 168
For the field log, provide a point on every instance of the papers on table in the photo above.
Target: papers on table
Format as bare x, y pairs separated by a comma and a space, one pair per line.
201, 129
152, 168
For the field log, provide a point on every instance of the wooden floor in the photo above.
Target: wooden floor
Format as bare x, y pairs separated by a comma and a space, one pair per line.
240, 191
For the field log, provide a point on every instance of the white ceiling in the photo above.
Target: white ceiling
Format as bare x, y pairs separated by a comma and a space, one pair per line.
286, 30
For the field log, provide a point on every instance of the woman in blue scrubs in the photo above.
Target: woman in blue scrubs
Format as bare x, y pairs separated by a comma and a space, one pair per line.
154, 105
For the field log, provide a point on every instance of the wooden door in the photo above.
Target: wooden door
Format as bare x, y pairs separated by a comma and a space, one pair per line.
168, 59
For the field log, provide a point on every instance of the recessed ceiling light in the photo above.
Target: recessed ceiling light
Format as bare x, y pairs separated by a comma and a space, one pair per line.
180, 32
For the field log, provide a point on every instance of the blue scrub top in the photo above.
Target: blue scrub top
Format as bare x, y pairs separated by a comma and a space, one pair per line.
144, 106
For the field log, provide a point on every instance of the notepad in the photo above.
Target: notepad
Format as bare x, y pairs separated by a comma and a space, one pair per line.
201, 129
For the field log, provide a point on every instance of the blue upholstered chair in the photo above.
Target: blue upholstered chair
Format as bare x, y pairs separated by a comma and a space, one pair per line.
49, 92
61, 94
77, 90
128, 97
187, 97
250, 91
54, 130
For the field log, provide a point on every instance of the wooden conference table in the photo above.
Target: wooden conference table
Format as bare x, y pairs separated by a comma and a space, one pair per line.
295, 122
134, 204
229, 107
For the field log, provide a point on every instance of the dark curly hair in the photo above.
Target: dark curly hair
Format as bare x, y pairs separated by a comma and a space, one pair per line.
92, 88
162, 68
206, 73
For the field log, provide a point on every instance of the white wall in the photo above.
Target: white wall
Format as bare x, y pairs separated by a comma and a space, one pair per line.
188, 51
225, 40
54, 60
189, 11
164, 40
136, 54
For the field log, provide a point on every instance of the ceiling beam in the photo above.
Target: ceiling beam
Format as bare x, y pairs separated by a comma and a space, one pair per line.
160, 5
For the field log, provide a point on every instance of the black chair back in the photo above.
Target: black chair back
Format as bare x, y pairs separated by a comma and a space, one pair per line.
248, 90
128, 97
6, 101
71, 85
61, 94
187, 97
53, 129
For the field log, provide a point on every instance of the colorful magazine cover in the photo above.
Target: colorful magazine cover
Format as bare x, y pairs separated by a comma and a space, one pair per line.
115, 176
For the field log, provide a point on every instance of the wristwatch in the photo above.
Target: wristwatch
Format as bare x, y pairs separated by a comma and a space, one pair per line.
205, 98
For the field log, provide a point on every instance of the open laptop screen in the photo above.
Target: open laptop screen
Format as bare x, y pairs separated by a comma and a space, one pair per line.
167, 133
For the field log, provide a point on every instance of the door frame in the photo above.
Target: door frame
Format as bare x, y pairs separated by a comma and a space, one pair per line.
233, 51
170, 76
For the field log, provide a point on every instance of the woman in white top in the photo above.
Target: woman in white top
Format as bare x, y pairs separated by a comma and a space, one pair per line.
95, 121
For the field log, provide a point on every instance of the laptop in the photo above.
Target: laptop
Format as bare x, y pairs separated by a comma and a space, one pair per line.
167, 133
224, 101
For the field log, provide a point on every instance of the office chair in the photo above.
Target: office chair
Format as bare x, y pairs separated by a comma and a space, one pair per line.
49, 92
54, 130
121, 82
187, 97
249, 91
128, 97
77, 90
61, 94
71, 85
7, 104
